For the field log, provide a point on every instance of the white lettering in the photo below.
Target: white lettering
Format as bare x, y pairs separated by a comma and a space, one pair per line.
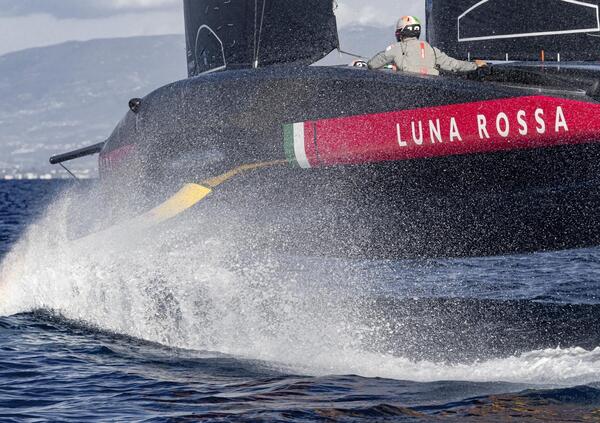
503, 132
504, 124
561, 122
482, 125
522, 122
434, 131
419, 140
454, 130
400, 142
539, 118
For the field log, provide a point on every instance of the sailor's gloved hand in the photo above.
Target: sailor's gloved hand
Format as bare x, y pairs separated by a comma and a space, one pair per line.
480, 63
360, 64
484, 71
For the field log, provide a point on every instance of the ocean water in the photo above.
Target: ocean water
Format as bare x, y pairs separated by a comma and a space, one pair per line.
180, 329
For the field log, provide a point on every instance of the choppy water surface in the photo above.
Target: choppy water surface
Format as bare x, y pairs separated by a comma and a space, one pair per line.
186, 329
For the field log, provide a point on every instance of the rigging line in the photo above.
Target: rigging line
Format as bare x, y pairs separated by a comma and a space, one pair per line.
69, 172
350, 54
255, 26
262, 20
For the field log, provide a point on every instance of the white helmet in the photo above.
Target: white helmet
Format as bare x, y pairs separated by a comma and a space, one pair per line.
408, 27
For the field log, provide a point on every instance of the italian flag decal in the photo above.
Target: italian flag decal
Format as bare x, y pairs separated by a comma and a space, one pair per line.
470, 128
295, 145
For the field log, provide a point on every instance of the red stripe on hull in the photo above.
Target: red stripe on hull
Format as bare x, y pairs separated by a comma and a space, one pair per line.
112, 161
481, 127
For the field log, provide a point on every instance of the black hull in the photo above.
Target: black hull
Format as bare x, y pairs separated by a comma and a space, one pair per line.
465, 205
434, 208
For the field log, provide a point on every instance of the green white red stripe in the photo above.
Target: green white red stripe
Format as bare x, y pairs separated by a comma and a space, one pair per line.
295, 145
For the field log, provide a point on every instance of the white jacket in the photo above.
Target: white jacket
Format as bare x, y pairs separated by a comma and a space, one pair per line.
413, 55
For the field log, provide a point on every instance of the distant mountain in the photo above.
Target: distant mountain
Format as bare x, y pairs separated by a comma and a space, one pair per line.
60, 97
53, 99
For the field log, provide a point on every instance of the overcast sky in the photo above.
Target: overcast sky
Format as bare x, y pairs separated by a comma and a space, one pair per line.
32, 23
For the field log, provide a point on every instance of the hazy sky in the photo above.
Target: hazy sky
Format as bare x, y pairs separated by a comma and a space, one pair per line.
32, 23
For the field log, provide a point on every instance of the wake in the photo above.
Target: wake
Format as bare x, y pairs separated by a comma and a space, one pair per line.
213, 293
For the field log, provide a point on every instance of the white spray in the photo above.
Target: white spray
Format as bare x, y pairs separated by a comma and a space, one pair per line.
191, 287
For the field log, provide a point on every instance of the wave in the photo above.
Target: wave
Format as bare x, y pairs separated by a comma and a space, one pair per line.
212, 292
554, 367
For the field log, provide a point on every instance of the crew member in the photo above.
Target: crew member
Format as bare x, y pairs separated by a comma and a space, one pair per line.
411, 55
